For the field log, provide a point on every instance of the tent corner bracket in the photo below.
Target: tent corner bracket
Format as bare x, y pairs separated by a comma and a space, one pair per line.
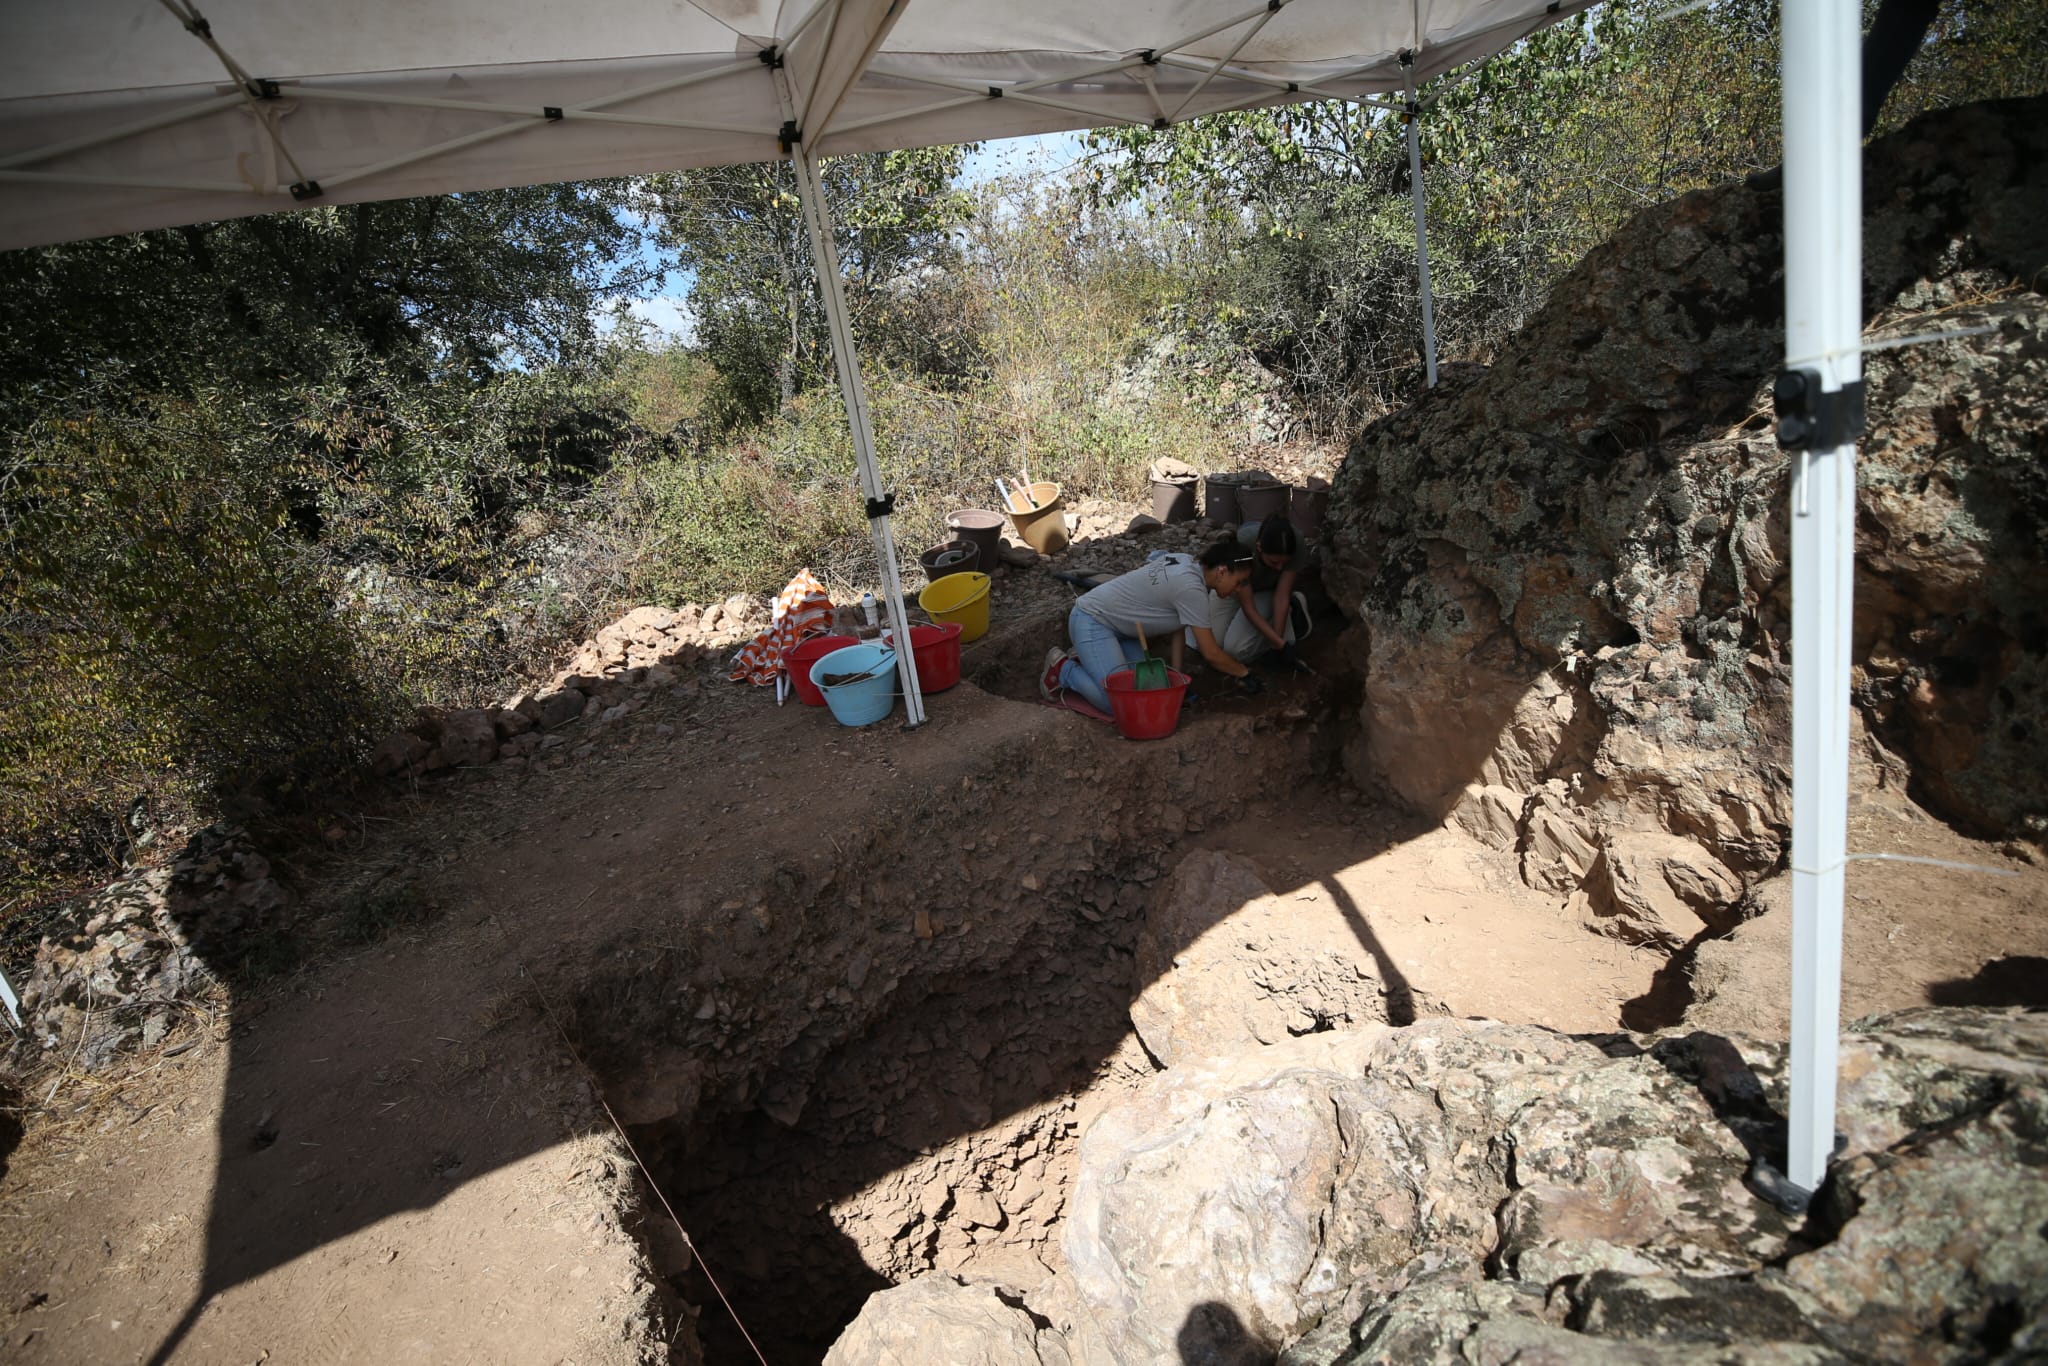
884, 506
1813, 418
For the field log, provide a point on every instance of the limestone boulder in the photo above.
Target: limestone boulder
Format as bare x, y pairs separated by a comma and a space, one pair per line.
1662, 890
1559, 845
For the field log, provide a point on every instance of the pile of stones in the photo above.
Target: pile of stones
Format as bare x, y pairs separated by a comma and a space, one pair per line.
115, 965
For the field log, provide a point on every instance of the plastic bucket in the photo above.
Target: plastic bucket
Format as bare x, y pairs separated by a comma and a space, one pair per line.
985, 529
864, 700
1044, 528
1173, 500
962, 557
961, 598
808, 652
935, 654
1258, 502
1145, 713
1305, 507
1221, 500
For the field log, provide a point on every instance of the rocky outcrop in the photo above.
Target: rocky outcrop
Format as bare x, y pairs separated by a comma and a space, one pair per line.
1572, 571
1465, 1191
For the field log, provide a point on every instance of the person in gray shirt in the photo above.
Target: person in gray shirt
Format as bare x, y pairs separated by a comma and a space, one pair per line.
1162, 597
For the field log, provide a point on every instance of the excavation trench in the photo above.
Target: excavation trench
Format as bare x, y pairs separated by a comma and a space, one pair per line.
881, 1064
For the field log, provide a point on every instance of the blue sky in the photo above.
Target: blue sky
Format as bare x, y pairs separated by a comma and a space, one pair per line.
667, 310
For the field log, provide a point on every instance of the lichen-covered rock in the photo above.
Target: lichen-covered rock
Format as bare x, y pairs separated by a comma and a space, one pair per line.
1460, 1192
1573, 567
122, 958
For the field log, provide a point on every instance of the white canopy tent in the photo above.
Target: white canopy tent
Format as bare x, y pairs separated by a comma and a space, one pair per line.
121, 115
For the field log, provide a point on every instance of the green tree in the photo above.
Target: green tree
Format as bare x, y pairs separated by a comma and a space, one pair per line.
457, 286
1531, 159
739, 231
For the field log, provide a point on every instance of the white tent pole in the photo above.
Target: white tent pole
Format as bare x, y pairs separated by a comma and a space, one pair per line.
825, 257
1820, 416
1414, 117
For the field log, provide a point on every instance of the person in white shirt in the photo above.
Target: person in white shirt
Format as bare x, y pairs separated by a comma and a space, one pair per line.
1165, 596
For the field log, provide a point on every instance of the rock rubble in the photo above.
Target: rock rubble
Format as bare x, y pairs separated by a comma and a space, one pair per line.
131, 953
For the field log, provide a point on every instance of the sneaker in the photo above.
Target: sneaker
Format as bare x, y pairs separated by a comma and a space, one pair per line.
1049, 676
1298, 618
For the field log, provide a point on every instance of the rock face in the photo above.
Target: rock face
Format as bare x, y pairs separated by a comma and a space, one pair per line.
1572, 569
1462, 1191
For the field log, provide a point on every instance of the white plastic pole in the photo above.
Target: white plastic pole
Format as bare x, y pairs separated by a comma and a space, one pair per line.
1414, 117
1821, 77
826, 258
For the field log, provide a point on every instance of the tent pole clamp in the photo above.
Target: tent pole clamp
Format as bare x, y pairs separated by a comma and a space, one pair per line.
885, 506
1811, 418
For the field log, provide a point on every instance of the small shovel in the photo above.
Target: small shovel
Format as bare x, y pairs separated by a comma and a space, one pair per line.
1148, 674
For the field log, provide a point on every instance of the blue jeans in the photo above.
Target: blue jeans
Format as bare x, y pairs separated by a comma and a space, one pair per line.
1098, 653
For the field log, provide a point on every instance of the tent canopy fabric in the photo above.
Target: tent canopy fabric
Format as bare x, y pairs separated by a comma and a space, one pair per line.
122, 115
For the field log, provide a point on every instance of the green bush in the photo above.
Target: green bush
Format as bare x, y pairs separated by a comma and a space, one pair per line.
171, 634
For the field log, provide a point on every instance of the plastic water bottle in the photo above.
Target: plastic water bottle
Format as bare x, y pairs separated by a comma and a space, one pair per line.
873, 627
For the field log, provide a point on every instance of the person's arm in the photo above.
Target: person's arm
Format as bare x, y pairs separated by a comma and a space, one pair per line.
1213, 654
1248, 605
1283, 602
1176, 653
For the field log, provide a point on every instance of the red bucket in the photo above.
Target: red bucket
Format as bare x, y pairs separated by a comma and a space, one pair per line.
935, 650
1145, 713
808, 652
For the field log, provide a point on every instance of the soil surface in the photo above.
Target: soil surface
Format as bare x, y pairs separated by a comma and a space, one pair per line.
853, 994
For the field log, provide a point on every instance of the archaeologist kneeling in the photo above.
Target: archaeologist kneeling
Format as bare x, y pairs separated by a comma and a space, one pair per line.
1159, 599
1266, 616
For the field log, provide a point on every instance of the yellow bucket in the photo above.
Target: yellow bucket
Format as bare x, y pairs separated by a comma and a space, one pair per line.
961, 598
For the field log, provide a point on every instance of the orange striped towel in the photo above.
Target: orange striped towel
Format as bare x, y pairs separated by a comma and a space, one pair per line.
802, 609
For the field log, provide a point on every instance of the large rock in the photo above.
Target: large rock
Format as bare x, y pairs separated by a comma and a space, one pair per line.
939, 1318
1219, 965
468, 738
1663, 890
1461, 1191
1572, 568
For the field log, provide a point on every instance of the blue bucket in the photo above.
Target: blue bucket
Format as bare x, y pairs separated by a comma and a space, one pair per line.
863, 701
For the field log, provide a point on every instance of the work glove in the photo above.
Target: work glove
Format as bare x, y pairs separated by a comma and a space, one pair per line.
1290, 657
1249, 686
